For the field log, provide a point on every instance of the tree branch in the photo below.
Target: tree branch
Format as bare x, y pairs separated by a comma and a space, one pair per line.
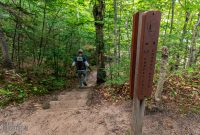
198, 22
14, 10
180, 3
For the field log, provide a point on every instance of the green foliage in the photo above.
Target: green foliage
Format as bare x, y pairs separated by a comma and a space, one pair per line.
53, 83
119, 73
52, 33
177, 43
18, 92
12, 92
128, 132
173, 93
38, 90
187, 71
5, 92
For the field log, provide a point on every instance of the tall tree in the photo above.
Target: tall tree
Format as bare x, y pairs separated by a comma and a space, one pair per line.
184, 31
42, 33
115, 41
172, 18
98, 13
193, 44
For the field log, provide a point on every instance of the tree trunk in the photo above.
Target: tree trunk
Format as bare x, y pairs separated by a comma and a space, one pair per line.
119, 32
166, 27
98, 13
193, 44
19, 37
172, 18
115, 44
163, 70
42, 34
109, 49
18, 50
127, 34
197, 55
184, 31
7, 63
186, 53
14, 40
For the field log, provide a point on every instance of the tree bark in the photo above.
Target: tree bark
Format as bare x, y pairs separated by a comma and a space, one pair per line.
19, 50
14, 40
127, 34
163, 70
119, 33
42, 35
197, 55
115, 44
98, 13
7, 63
172, 18
166, 27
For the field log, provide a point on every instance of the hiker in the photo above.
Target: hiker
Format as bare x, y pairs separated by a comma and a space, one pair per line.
81, 64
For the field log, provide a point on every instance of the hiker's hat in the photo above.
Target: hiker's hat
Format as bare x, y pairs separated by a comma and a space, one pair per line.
80, 51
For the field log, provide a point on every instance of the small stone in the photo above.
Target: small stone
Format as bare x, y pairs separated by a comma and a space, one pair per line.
100, 122
78, 112
164, 97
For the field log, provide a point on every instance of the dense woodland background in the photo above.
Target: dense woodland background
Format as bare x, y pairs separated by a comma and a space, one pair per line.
39, 39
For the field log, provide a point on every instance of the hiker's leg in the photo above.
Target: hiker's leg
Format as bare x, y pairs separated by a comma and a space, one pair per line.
80, 78
84, 77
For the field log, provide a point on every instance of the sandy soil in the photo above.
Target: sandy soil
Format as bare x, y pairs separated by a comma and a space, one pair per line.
69, 114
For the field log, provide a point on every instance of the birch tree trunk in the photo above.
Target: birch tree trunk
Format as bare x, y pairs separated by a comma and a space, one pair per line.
193, 44
163, 70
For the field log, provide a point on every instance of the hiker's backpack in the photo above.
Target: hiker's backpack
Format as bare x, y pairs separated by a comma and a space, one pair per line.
80, 63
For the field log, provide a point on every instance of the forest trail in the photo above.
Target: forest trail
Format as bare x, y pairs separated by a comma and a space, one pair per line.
75, 99
69, 114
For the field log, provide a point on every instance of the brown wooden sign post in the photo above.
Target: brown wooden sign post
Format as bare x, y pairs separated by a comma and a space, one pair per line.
143, 56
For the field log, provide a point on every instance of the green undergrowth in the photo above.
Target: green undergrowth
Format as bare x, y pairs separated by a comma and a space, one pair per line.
16, 88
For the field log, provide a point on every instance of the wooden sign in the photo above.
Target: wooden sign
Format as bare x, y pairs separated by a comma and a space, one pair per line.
143, 56
144, 52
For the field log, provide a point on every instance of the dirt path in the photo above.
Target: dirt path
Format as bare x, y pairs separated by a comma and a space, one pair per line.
70, 115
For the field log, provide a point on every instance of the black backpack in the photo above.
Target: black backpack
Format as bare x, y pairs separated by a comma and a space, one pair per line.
80, 63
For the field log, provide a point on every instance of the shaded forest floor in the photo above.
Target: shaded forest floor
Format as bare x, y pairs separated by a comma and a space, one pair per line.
87, 112
181, 93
